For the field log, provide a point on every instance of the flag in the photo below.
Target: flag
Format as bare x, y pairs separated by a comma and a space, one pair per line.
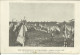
21, 38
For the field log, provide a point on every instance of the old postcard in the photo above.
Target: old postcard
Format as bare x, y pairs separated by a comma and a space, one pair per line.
40, 27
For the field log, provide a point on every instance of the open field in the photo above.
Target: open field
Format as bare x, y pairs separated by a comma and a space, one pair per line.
49, 35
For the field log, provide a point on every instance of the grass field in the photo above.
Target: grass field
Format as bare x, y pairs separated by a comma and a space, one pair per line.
39, 38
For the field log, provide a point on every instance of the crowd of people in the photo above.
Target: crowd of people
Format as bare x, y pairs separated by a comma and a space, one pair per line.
17, 31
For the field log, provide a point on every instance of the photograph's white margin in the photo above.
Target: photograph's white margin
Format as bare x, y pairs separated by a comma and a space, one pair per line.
5, 31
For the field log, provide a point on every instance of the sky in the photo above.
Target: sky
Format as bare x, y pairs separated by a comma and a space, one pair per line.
42, 11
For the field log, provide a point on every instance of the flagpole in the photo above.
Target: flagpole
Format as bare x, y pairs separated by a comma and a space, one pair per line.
23, 29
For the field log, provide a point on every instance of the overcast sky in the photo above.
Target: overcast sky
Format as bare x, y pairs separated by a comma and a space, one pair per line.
42, 11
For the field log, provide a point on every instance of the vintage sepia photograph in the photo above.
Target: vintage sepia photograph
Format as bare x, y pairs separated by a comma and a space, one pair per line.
41, 25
